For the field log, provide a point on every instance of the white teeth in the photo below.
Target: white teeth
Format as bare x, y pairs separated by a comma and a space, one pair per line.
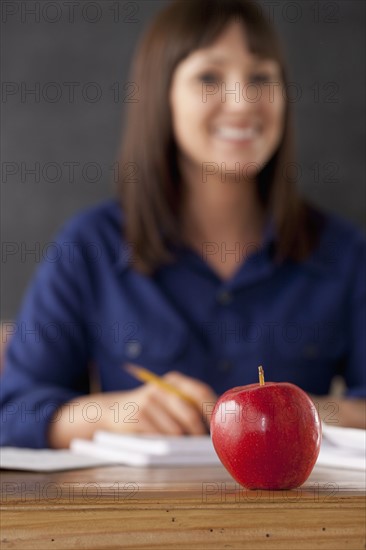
236, 133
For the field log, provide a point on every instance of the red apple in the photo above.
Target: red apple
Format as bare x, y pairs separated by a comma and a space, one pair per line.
267, 435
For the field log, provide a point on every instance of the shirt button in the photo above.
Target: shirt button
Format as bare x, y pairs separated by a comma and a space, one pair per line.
224, 365
133, 349
225, 297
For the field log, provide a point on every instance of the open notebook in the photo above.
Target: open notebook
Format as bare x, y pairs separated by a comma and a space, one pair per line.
342, 448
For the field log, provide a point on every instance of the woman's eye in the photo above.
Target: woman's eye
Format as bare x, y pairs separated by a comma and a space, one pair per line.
208, 78
260, 78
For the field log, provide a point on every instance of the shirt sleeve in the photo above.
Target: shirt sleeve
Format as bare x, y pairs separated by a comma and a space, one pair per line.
46, 359
355, 374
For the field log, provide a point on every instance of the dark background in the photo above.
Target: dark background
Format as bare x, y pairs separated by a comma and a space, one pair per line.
56, 47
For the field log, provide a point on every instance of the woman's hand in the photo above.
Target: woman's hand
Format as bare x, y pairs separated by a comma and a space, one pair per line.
349, 412
147, 409
151, 409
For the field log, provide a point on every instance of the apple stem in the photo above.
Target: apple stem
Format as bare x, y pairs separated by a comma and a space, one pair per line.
261, 376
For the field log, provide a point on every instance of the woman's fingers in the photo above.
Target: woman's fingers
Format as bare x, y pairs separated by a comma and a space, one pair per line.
155, 413
160, 411
192, 417
201, 393
187, 416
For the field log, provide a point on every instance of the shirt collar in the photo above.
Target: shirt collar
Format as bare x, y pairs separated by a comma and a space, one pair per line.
124, 253
321, 259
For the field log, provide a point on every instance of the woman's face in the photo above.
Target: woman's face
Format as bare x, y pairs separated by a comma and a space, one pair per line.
227, 105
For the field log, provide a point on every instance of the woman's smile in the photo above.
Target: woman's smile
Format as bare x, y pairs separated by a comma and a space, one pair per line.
236, 135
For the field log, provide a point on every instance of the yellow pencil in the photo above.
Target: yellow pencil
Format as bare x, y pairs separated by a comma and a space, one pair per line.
144, 375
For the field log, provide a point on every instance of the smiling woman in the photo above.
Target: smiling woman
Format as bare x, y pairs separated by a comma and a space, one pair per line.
210, 146
221, 68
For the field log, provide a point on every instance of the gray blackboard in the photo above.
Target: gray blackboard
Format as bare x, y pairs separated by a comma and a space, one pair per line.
64, 85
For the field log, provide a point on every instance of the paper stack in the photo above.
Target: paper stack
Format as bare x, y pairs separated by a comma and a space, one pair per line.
342, 449
148, 450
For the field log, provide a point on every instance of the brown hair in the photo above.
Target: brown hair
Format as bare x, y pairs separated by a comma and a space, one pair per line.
150, 188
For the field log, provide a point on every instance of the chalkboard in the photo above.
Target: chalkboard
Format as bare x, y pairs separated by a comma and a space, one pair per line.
65, 85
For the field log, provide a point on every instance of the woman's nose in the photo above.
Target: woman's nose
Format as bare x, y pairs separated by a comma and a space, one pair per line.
238, 96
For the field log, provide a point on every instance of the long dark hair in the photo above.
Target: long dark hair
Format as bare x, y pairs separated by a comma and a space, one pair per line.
149, 186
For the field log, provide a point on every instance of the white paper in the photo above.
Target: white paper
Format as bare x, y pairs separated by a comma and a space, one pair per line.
343, 448
156, 444
353, 439
45, 460
131, 457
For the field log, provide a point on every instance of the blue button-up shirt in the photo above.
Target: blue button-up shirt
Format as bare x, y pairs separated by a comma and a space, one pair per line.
87, 306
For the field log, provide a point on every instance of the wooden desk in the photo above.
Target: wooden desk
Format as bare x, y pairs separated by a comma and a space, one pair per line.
195, 508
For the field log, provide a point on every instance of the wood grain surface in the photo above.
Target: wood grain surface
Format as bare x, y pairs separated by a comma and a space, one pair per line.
177, 508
